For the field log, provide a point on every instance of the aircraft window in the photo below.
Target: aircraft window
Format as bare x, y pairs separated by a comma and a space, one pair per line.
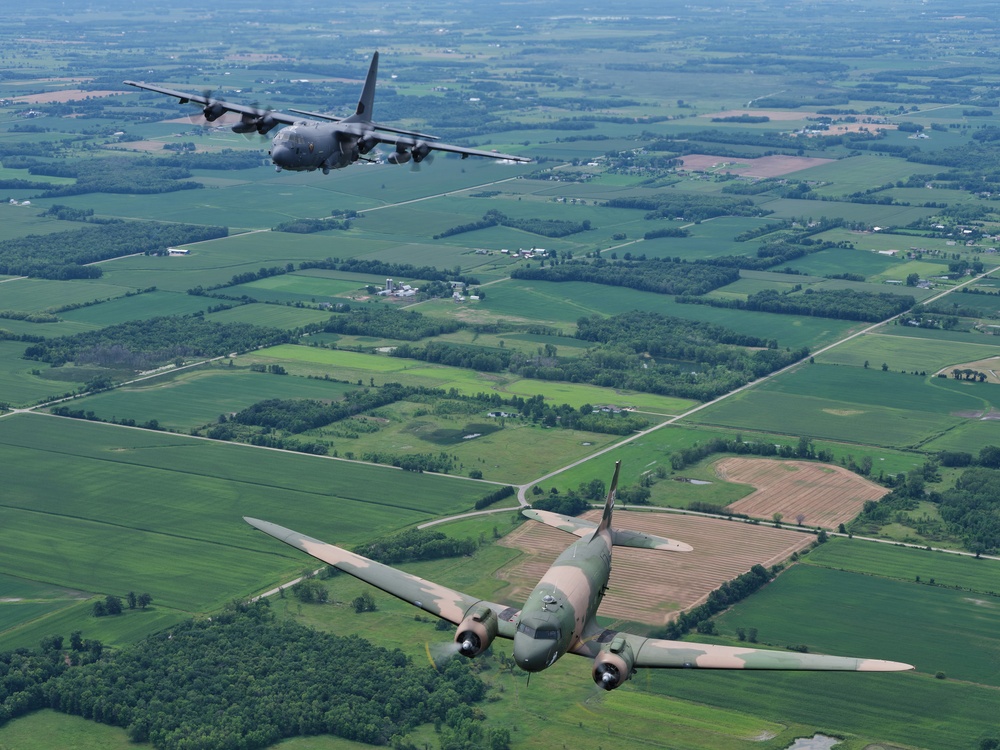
541, 634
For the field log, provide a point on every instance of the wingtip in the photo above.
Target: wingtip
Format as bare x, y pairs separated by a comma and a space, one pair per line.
880, 665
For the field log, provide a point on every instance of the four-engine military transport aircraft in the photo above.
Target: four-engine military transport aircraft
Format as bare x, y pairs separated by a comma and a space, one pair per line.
559, 615
306, 144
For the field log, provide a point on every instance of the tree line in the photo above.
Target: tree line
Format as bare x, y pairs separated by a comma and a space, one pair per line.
414, 545
660, 276
842, 304
63, 255
543, 227
142, 344
384, 321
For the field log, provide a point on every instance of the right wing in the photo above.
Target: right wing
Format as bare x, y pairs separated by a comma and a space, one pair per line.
223, 106
664, 654
446, 603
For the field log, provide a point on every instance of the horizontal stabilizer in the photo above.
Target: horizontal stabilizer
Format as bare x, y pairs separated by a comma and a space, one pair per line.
625, 538
619, 537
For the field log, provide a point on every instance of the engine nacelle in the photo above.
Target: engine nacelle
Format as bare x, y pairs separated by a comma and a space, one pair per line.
614, 665
476, 632
367, 142
399, 156
214, 111
420, 152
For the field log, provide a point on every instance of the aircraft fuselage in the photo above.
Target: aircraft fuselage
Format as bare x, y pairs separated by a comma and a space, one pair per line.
307, 146
563, 602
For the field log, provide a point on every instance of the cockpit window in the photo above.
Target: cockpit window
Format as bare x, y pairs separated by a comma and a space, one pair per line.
539, 634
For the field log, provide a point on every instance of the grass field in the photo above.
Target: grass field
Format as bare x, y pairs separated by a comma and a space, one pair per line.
847, 403
905, 564
192, 399
905, 353
135, 510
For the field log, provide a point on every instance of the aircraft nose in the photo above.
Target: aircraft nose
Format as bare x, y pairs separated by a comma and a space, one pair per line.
281, 156
531, 655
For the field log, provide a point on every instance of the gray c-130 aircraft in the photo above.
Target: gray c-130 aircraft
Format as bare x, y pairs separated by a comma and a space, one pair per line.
317, 141
559, 616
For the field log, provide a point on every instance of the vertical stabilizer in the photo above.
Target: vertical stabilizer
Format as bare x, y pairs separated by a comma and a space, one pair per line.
364, 111
609, 504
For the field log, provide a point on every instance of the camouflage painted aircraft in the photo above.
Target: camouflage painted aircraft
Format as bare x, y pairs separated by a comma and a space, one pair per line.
559, 616
318, 141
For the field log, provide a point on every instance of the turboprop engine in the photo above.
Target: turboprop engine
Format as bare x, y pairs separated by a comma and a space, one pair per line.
613, 666
476, 632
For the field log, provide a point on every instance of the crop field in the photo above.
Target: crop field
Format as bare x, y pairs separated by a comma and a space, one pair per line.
35, 295
906, 564
137, 510
835, 260
904, 353
805, 493
957, 629
562, 304
193, 399
654, 590
857, 405
137, 307
19, 386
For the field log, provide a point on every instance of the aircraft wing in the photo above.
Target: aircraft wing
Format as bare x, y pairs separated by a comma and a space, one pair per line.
446, 603
242, 109
406, 140
579, 526
664, 654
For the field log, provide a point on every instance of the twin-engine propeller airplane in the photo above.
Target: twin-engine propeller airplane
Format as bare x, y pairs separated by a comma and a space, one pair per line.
559, 616
307, 144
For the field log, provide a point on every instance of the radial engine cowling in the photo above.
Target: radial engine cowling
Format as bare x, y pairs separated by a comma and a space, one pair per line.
613, 666
476, 632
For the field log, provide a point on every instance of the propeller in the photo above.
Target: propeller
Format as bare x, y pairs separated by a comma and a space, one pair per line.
260, 122
210, 112
421, 153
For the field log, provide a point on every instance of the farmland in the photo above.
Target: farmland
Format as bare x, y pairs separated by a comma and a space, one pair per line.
807, 493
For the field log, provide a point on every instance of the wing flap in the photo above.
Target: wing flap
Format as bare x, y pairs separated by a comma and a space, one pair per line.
442, 601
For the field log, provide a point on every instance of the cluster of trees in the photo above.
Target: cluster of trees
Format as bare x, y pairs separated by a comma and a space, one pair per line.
110, 174
300, 415
495, 497
309, 226
544, 227
660, 276
383, 321
842, 304
688, 206
480, 358
684, 457
142, 344
188, 687
972, 507
113, 605
416, 544
442, 463
63, 255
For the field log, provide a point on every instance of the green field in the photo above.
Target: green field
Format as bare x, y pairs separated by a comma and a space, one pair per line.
138, 510
905, 353
194, 398
848, 403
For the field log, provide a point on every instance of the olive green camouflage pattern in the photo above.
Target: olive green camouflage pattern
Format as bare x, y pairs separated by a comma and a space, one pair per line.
559, 616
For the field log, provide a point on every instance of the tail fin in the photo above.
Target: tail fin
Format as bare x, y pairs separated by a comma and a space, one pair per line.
609, 504
364, 111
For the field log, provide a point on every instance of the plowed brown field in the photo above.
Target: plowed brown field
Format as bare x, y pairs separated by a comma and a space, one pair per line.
651, 586
822, 494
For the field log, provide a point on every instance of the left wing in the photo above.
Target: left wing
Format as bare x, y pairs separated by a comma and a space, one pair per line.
664, 654
423, 146
446, 603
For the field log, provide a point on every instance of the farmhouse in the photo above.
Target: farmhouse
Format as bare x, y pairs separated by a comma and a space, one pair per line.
177, 251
